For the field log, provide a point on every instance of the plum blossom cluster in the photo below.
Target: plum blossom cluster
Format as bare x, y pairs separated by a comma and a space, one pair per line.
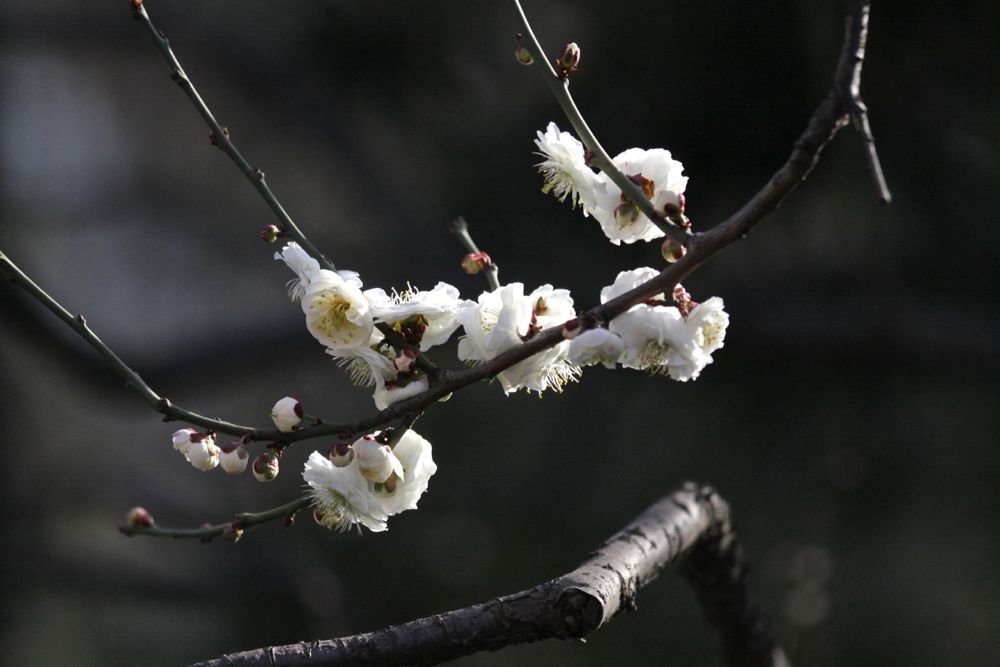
674, 337
364, 483
568, 175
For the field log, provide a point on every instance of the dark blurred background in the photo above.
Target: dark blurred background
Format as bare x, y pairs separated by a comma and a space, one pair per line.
851, 418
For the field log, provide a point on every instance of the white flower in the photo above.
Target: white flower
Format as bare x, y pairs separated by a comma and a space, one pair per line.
661, 179
234, 458
337, 313
657, 338
627, 281
506, 317
414, 453
595, 346
341, 496
432, 312
708, 322
376, 461
287, 414
366, 365
392, 392
565, 168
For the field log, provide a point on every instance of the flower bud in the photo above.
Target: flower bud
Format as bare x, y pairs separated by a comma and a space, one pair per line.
234, 458
396, 390
184, 438
288, 521
138, 517
271, 233
287, 414
204, 455
475, 262
375, 460
233, 532
672, 251
523, 55
568, 59
265, 467
340, 454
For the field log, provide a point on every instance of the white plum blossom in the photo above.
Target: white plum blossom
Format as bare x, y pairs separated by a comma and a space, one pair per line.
565, 168
432, 311
657, 174
287, 414
337, 313
595, 346
376, 460
414, 453
707, 323
393, 392
506, 317
341, 496
658, 338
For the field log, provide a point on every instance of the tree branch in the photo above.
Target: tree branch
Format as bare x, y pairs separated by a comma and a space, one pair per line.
206, 533
559, 87
219, 136
691, 526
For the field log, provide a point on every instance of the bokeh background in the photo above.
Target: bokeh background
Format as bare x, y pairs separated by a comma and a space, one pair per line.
851, 418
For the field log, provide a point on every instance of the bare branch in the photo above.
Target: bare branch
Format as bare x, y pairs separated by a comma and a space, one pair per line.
691, 526
219, 136
206, 533
460, 230
848, 84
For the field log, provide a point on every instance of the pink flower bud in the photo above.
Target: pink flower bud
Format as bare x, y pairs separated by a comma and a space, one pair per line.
138, 517
672, 251
341, 454
568, 59
475, 262
233, 532
271, 233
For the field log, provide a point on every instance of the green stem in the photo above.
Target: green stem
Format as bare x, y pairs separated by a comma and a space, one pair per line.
220, 137
600, 158
245, 520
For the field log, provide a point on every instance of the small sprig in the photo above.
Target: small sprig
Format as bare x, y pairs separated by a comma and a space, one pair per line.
220, 136
558, 83
460, 230
140, 522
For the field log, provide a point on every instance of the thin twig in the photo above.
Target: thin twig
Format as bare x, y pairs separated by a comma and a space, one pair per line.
600, 158
244, 520
691, 526
848, 84
460, 230
219, 136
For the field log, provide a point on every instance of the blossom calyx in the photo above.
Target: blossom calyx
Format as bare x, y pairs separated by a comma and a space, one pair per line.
233, 532
523, 55
271, 233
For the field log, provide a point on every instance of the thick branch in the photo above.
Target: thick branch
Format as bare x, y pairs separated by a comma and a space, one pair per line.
691, 526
